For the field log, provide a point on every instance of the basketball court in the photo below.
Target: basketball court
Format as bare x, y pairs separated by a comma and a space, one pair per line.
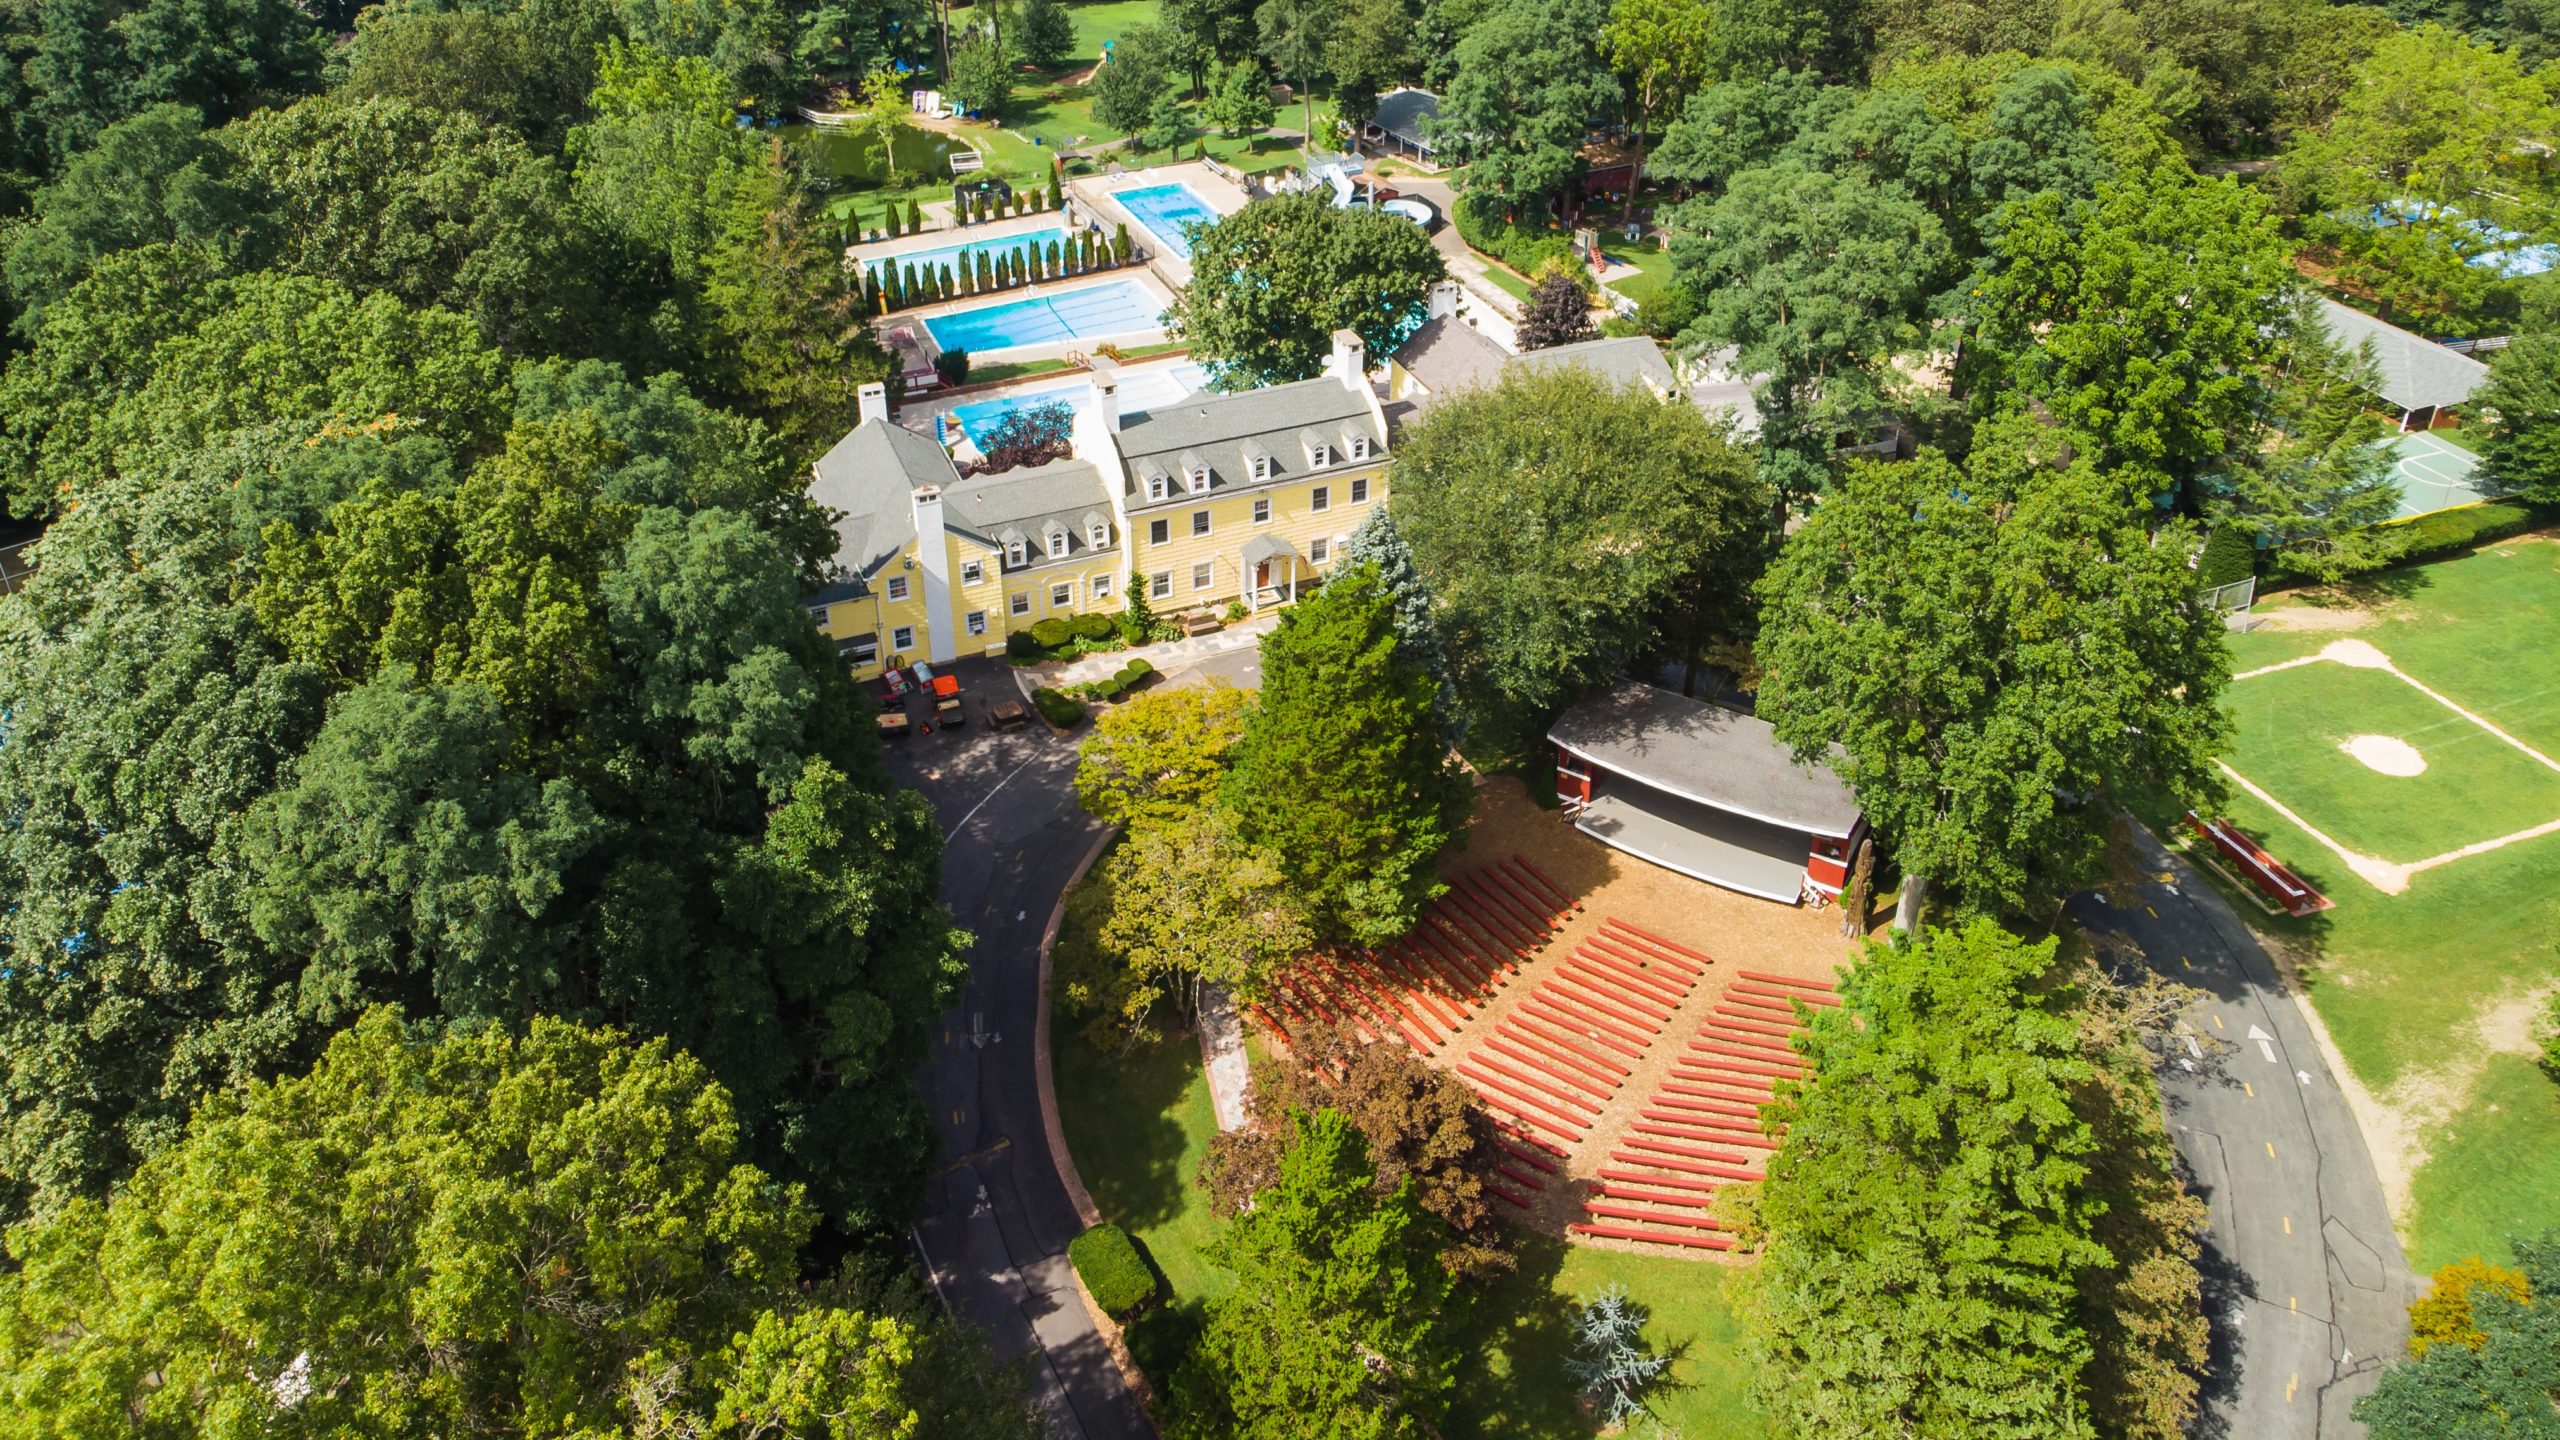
2435, 474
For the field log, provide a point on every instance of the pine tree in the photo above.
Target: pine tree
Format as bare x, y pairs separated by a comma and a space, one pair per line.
1377, 542
1120, 244
1340, 701
1609, 1360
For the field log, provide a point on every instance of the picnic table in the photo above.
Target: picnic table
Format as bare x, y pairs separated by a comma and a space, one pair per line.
1006, 714
894, 724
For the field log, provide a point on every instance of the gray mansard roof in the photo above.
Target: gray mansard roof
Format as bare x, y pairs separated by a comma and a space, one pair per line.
1224, 431
2416, 371
1448, 355
1705, 754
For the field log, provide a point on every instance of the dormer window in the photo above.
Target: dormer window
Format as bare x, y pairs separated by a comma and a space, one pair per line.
1319, 450
1257, 462
1200, 481
1159, 486
1017, 554
1356, 445
1195, 473
1057, 544
1099, 534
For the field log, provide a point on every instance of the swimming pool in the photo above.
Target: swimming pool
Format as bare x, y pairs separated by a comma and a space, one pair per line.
1090, 314
1140, 391
967, 252
1163, 210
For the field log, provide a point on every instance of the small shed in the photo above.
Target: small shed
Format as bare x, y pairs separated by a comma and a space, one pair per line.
1705, 791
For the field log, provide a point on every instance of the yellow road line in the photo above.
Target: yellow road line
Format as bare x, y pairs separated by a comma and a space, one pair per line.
2244, 1089
2271, 1149
2288, 1224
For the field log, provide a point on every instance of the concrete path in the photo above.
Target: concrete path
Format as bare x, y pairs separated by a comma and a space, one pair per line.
996, 1219
1168, 656
1222, 1056
2305, 1283
1465, 266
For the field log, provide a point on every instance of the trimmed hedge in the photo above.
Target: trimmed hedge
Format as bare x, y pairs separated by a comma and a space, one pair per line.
1111, 1267
2229, 555
1051, 633
1093, 625
1522, 248
1136, 670
2449, 532
1056, 708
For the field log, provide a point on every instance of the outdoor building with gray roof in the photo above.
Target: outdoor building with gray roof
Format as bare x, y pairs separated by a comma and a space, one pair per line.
1448, 355
2419, 376
1705, 791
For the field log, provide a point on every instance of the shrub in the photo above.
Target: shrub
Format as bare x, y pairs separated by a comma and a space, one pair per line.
1235, 611
1137, 669
1093, 625
1021, 646
952, 366
1523, 248
2449, 532
1055, 708
1112, 1269
1051, 633
2229, 555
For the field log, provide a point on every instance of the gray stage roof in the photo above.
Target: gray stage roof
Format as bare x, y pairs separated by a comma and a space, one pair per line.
1706, 754
2416, 371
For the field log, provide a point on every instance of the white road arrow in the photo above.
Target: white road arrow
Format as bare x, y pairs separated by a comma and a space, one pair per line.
2304, 1076
978, 1029
2194, 1050
2266, 1043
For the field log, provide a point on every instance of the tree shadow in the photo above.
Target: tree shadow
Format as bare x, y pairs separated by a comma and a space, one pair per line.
1121, 1113
1511, 1380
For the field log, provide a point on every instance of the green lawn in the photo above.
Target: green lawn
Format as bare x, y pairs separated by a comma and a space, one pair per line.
2292, 724
2403, 981
1139, 1125
1654, 267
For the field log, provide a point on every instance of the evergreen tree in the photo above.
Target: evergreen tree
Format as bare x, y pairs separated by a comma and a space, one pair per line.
1927, 1215
1340, 701
1044, 33
2502, 1385
1342, 1320
1242, 105
2522, 449
1376, 542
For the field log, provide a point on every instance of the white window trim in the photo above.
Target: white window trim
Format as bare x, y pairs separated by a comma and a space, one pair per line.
1062, 593
1160, 585
1099, 535
1359, 447
1360, 491
1201, 524
977, 622
1199, 482
1320, 499
1100, 588
902, 638
1019, 603
898, 587
972, 571
1159, 487
1262, 510
1017, 554
1204, 575
1319, 455
1058, 545
1261, 467
1319, 550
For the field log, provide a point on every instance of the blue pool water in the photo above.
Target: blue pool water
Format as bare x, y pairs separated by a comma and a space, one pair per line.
967, 252
1091, 314
1139, 391
1164, 210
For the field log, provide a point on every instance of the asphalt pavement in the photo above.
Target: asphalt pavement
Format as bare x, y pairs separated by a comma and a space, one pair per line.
995, 1220
2305, 1282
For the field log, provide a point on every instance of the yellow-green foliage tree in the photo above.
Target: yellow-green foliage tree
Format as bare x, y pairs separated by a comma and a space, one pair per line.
2443, 1317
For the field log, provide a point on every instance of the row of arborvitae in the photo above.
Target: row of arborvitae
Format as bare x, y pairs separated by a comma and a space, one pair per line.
985, 205
892, 286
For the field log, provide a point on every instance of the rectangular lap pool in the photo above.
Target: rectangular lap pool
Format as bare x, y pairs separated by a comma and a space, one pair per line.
967, 252
1092, 314
1164, 209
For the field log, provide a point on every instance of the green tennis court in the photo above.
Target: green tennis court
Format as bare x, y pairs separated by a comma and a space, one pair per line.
2435, 474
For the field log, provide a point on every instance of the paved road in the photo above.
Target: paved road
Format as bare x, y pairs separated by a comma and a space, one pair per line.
995, 1220
2304, 1277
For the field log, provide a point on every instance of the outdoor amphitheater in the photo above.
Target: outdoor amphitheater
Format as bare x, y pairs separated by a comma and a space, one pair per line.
1620, 1025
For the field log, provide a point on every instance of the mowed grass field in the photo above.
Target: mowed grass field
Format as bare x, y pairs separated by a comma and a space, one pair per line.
2430, 994
1139, 1124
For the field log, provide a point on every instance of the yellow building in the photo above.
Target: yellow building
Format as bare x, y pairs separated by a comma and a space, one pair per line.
1211, 500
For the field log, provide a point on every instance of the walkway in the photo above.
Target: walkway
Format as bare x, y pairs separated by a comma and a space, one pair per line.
2305, 1283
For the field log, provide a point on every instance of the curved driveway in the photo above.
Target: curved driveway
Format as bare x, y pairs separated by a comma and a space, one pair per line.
2305, 1282
996, 1221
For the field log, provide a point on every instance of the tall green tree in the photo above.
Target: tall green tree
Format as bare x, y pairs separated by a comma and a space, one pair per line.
1663, 51
2142, 319
2522, 402
1241, 103
1044, 33
1372, 51
1272, 282
1296, 37
1999, 652
2313, 480
1193, 902
981, 77
2506, 1386
525, 69
1162, 755
155, 178
1529, 84
345, 1253
1927, 1212
1140, 69
1339, 700
1819, 282
1343, 1318
1524, 505
1830, 38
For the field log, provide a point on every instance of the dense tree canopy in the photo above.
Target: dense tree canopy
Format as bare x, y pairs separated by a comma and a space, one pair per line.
1561, 526
2505, 1385
1529, 84
1998, 650
346, 1253
1272, 282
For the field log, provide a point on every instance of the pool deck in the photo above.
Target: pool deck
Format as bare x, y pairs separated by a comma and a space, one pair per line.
920, 413
906, 331
944, 237
1092, 195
